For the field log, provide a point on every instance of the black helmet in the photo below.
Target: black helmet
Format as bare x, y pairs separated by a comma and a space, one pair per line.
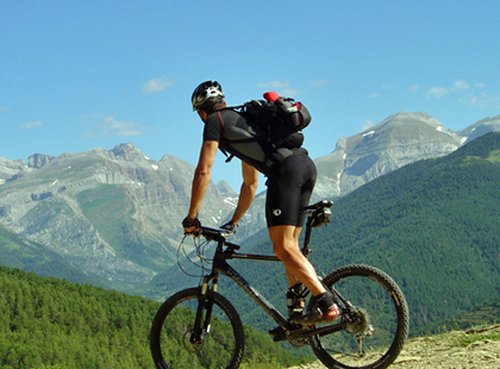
208, 91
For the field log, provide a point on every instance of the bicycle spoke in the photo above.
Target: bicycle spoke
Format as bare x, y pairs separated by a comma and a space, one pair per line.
218, 345
375, 321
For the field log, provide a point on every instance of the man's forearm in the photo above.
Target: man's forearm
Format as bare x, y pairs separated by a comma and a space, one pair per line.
247, 193
201, 181
201, 178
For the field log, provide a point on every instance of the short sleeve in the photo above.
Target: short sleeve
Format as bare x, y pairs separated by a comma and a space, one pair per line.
213, 129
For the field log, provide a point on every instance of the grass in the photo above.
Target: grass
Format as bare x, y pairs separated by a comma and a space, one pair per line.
476, 335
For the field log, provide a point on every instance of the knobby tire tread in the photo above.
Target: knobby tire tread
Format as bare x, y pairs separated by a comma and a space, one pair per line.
184, 295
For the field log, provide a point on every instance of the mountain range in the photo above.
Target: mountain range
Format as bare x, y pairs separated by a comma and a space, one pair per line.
112, 217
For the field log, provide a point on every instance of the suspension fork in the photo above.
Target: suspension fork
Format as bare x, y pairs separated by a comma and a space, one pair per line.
202, 325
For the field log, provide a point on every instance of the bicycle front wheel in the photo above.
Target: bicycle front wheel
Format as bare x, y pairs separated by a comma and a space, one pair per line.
375, 317
219, 343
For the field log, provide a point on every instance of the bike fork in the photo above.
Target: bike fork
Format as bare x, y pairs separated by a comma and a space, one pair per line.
202, 325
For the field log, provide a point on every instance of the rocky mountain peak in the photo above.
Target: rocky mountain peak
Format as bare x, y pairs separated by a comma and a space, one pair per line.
404, 125
481, 127
38, 161
417, 116
398, 140
9, 168
127, 151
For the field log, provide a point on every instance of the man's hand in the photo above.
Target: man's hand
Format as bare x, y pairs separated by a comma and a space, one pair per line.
191, 225
230, 226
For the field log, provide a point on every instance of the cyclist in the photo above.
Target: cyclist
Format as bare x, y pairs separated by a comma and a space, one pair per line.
289, 188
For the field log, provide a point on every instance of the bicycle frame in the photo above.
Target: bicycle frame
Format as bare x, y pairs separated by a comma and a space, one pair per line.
220, 266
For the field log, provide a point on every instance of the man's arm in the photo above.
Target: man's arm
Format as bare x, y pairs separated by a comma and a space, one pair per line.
247, 191
201, 178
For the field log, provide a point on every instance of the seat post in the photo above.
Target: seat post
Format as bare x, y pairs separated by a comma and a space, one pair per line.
307, 238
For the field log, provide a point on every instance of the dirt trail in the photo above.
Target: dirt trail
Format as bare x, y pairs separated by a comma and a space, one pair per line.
477, 348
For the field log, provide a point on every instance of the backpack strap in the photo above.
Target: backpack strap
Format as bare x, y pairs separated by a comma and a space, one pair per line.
228, 157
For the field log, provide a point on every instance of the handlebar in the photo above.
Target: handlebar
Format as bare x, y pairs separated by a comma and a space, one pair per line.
215, 234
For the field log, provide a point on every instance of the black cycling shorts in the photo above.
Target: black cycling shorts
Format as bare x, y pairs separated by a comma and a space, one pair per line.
289, 188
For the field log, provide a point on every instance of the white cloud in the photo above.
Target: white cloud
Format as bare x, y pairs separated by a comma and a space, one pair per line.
472, 94
274, 84
320, 83
156, 85
414, 88
283, 88
109, 126
440, 91
290, 92
460, 85
114, 127
389, 87
384, 89
437, 92
31, 125
482, 101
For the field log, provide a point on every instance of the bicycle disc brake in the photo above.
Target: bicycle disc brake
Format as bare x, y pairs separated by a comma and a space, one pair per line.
190, 344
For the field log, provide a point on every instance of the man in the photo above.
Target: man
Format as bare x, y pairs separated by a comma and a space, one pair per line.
290, 184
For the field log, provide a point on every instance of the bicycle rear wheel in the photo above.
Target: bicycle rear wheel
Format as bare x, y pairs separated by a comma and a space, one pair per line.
220, 344
376, 319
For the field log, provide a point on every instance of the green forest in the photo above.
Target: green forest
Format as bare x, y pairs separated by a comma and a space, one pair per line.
46, 323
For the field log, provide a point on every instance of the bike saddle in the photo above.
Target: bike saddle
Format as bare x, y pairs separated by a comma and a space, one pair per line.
319, 213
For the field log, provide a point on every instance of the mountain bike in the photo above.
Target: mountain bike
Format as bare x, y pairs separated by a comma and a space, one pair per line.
199, 328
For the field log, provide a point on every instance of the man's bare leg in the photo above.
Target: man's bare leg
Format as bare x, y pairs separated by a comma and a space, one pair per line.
286, 247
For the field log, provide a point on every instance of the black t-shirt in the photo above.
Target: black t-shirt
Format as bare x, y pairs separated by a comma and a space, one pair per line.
225, 126
213, 128
238, 138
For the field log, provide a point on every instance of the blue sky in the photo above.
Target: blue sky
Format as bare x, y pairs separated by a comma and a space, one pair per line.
76, 75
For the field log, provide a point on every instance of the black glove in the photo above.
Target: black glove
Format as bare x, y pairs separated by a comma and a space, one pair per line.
230, 226
189, 222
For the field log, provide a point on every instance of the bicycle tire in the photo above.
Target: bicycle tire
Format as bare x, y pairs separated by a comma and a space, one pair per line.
382, 307
222, 346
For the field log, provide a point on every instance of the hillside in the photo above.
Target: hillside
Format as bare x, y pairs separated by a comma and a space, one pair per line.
432, 225
477, 348
32, 257
52, 324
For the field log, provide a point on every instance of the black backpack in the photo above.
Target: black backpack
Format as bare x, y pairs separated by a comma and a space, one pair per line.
275, 124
